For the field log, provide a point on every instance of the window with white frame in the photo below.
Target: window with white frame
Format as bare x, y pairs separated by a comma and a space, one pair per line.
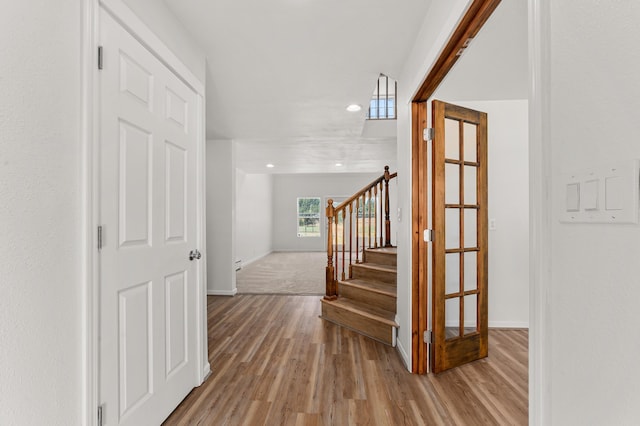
308, 216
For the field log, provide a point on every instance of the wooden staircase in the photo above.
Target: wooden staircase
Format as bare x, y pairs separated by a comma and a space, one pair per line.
366, 302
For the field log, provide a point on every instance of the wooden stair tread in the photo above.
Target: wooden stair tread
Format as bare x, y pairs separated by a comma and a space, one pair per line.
377, 267
374, 286
386, 250
366, 302
368, 311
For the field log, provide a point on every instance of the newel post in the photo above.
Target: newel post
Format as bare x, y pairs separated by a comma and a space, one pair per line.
331, 291
387, 218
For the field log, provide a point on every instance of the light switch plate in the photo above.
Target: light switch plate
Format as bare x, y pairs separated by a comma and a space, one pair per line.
605, 194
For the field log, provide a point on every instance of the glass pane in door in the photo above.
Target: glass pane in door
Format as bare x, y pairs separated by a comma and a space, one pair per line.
470, 228
470, 314
452, 228
452, 139
470, 185
470, 270
452, 273
452, 318
451, 184
470, 143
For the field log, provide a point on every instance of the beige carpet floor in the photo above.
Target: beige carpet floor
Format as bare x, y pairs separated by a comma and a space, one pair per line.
284, 273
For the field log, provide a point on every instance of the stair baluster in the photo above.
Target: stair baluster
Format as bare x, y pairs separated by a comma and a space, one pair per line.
330, 291
350, 239
371, 202
369, 211
387, 217
379, 202
357, 228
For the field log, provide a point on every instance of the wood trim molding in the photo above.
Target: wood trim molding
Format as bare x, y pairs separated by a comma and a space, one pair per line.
419, 259
415, 238
468, 28
475, 17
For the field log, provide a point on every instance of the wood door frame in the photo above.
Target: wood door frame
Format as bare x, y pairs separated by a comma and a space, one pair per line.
475, 17
90, 262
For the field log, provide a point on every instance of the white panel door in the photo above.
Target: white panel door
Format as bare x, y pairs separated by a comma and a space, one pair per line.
148, 213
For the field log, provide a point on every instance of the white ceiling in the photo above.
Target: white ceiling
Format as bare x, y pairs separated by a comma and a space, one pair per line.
280, 74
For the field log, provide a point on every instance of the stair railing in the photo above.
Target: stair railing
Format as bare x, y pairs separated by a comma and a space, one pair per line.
358, 218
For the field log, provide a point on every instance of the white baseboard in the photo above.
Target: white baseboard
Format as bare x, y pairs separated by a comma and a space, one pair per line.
403, 355
206, 372
222, 292
508, 324
493, 324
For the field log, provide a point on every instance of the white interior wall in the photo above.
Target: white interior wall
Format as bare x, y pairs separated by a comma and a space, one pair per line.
508, 160
40, 214
254, 216
160, 19
221, 213
594, 288
286, 190
41, 272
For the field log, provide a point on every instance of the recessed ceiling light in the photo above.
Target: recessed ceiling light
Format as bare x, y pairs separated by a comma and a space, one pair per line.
338, 164
354, 108
271, 166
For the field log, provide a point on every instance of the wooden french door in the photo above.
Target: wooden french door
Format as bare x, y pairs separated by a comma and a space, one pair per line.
459, 290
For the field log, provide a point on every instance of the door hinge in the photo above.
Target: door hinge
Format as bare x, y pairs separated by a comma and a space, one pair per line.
99, 238
427, 134
427, 336
99, 57
100, 416
427, 235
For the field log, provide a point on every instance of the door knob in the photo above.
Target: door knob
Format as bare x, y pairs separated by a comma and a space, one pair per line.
195, 254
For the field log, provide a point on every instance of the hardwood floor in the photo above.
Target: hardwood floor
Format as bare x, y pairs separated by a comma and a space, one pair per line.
275, 362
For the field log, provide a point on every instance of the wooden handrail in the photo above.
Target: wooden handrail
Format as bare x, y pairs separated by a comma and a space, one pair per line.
368, 233
366, 188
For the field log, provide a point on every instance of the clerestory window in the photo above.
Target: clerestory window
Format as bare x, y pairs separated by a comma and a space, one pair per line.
382, 105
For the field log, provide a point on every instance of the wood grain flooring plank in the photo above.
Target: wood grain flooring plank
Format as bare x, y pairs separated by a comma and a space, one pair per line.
275, 362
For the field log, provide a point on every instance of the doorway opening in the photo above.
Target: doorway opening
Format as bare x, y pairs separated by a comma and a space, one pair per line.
475, 18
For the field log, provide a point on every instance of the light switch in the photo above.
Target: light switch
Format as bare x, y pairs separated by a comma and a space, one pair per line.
589, 194
613, 193
573, 197
605, 193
